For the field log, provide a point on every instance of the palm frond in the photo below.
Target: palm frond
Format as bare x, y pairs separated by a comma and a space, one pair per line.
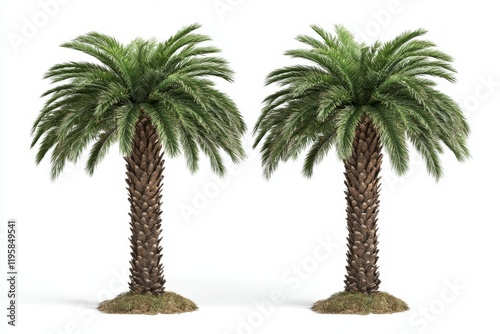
392, 135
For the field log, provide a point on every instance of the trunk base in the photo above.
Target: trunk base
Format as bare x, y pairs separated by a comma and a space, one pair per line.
147, 303
360, 303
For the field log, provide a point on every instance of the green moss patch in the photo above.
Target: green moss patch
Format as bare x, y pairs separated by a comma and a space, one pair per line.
135, 303
360, 303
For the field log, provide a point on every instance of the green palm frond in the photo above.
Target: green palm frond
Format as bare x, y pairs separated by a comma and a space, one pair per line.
98, 103
320, 105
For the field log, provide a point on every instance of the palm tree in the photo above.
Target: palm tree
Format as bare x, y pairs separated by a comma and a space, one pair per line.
358, 99
152, 98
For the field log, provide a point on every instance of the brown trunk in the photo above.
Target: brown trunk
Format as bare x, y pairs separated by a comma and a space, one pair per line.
144, 180
362, 181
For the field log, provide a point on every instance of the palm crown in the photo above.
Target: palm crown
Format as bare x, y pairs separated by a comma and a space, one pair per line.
358, 99
167, 81
321, 104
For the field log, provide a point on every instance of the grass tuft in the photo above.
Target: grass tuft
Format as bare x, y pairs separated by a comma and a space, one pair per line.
360, 303
135, 303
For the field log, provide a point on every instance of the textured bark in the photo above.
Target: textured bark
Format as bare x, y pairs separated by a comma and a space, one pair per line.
144, 180
362, 181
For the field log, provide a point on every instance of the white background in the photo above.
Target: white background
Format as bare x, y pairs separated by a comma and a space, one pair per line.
229, 243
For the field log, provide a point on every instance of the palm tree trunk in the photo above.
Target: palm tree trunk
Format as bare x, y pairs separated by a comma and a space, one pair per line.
144, 180
362, 181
